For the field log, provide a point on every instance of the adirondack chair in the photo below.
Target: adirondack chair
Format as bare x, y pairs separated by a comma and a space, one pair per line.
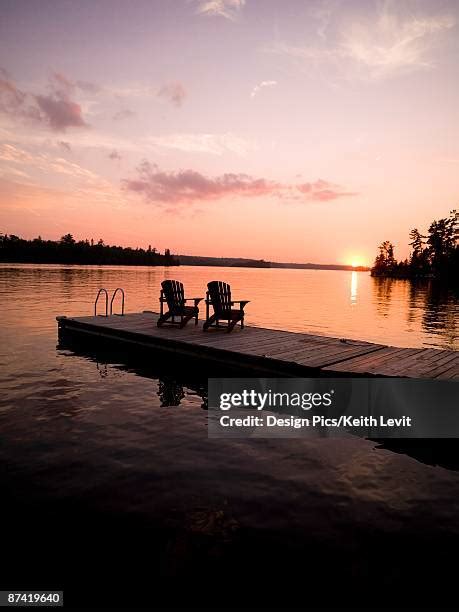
219, 296
173, 294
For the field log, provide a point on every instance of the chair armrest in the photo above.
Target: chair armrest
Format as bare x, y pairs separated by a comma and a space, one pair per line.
241, 302
196, 300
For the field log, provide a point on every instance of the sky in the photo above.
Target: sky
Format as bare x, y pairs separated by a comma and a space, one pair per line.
295, 131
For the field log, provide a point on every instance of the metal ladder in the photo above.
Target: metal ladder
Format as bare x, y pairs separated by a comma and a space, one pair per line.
122, 301
104, 291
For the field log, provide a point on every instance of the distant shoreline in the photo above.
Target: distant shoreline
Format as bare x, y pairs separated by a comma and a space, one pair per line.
276, 266
68, 251
239, 262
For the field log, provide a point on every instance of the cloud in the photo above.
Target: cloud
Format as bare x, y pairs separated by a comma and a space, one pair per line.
60, 114
55, 110
11, 98
125, 113
114, 155
257, 88
11, 153
43, 172
88, 87
64, 87
173, 92
323, 191
379, 46
58, 110
15, 102
65, 145
48, 165
214, 144
229, 9
190, 187
392, 44
186, 186
60, 85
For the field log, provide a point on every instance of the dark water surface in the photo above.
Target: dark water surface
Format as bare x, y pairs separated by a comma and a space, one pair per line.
108, 479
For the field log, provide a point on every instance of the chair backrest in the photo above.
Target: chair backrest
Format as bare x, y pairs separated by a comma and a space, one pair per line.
220, 296
174, 294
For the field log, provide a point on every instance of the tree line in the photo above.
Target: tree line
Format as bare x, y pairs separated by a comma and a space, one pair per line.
435, 255
69, 251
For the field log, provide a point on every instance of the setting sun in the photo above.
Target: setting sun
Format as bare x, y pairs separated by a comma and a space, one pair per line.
356, 260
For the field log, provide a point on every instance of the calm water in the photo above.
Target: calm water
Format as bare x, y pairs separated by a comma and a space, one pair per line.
101, 458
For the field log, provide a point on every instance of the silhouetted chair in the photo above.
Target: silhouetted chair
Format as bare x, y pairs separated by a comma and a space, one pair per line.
219, 296
172, 294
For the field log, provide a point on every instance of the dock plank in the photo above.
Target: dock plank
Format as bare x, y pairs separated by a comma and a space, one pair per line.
271, 349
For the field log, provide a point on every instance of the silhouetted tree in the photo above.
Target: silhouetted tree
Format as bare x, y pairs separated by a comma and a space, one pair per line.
419, 253
68, 239
68, 250
438, 256
442, 243
385, 261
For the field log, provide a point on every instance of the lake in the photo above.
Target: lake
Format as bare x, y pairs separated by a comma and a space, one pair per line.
105, 463
335, 303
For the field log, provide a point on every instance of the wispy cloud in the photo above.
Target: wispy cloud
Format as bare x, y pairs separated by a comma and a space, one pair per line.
229, 9
173, 92
376, 47
191, 187
125, 113
14, 102
260, 86
65, 145
48, 165
214, 144
322, 191
114, 155
88, 87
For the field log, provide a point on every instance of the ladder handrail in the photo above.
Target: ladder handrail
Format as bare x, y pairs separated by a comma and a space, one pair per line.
101, 290
122, 301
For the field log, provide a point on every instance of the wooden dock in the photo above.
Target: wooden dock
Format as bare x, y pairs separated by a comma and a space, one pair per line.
269, 351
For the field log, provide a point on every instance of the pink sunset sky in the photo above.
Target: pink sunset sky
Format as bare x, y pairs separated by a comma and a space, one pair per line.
284, 130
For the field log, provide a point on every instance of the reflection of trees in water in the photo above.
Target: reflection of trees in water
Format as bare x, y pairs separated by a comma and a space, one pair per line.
429, 302
416, 299
382, 289
441, 308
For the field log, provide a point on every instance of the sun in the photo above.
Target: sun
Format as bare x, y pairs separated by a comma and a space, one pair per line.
356, 260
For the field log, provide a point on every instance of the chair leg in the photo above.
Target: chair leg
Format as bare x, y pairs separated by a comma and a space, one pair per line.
231, 324
208, 322
162, 319
184, 321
